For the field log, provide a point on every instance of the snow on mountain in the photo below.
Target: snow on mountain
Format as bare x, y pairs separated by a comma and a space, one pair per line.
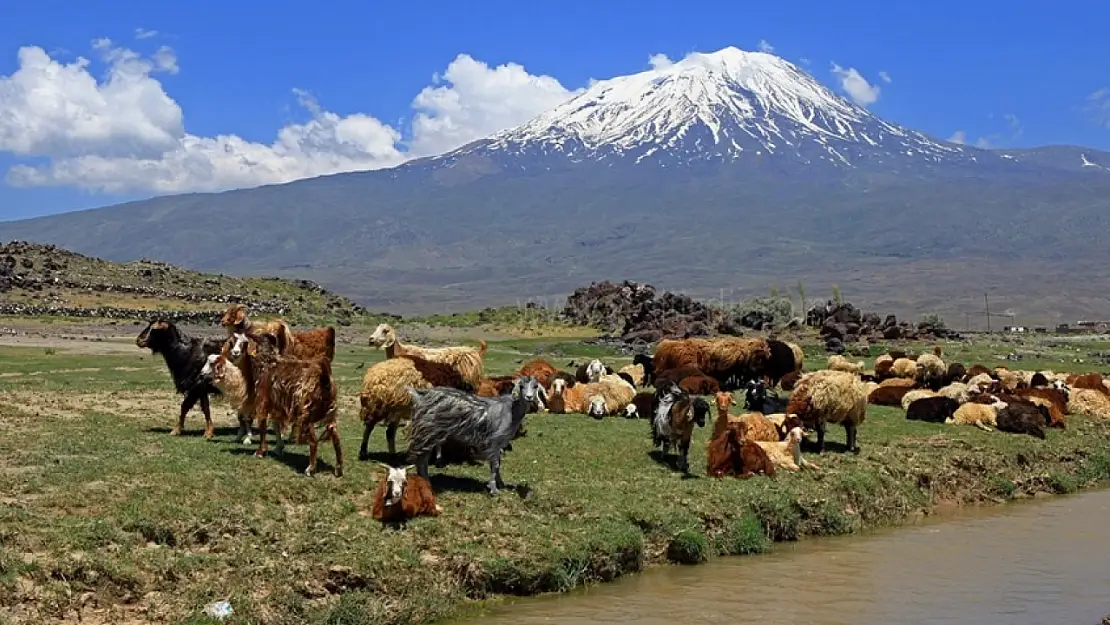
728, 104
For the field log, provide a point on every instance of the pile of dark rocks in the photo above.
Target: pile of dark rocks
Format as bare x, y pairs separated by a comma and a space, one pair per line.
843, 324
634, 313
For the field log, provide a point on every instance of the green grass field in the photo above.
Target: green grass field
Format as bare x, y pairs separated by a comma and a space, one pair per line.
105, 515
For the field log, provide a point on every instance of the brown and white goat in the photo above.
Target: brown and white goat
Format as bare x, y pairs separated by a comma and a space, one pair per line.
400, 497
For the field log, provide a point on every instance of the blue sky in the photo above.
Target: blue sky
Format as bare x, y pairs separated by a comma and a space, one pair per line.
203, 88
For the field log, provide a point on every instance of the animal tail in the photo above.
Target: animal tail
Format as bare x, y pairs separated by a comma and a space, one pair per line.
482, 347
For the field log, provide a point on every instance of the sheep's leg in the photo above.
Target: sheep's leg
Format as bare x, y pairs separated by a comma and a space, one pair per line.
186, 405
279, 425
209, 429
363, 453
850, 431
310, 434
979, 424
263, 426
821, 427
333, 432
391, 439
441, 461
422, 465
244, 428
684, 461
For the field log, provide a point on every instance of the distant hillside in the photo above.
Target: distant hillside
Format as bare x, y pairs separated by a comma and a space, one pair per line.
48, 280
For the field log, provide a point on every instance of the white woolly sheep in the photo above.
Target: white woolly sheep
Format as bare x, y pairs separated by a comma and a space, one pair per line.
466, 360
825, 397
840, 363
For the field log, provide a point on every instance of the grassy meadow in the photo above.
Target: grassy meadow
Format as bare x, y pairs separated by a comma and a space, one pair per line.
105, 518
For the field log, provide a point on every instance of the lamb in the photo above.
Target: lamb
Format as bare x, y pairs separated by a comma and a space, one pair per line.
487, 425
700, 385
914, 395
932, 409
787, 454
730, 454
840, 363
299, 392
383, 397
635, 373
306, 344
904, 368
185, 357
674, 422
1018, 418
981, 416
466, 360
830, 397
401, 497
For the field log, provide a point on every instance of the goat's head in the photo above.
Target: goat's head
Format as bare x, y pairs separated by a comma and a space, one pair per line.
155, 335
234, 319
595, 370
642, 359
395, 483
794, 437
597, 407
383, 336
526, 387
238, 342
701, 409
210, 366
558, 385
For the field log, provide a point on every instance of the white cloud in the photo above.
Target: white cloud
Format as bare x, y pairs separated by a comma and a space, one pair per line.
959, 137
886, 77
125, 134
142, 33
1098, 105
856, 86
659, 61
765, 46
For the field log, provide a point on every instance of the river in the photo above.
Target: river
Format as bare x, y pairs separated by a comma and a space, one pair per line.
1045, 562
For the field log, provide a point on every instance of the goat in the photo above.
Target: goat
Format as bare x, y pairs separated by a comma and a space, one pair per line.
185, 357
305, 344
674, 422
400, 497
730, 453
487, 424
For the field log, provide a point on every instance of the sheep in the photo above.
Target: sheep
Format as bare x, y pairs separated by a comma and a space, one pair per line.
383, 397
664, 379
904, 368
975, 370
647, 366
1018, 418
869, 387
635, 373
787, 454
607, 398
642, 406
981, 416
1055, 400
731, 454
305, 344
980, 382
914, 395
936, 409
674, 422
577, 399
784, 423
840, 363
957, 372
1038, 380
671, 354
401, 497
785, 359
299, 392
1089, 403
498, 385
799, 359
887, 395
931, 370
830, 397
1008, 379
486, 424
957, 391
733, 360
700, 385
185, 356
567, 378
789, 381
883, 365
1089, 381
591, 371
543, 371
467, 360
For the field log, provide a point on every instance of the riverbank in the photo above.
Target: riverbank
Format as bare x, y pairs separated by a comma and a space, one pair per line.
106, 516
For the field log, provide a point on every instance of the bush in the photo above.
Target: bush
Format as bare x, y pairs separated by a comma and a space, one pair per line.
688, 547
742, 536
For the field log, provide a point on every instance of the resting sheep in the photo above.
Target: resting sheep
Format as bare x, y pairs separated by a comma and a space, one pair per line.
982, 416
932, 409
635, 373
904, 368
1018, 418
466, 360
787, 454
840, 363
914, 395
1089, 403
830, 397
401, 497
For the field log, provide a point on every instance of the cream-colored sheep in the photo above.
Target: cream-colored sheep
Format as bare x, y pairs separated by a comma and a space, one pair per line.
466, 360
830, 397
930, 367
840, 363
870, 386
980, 382
636, 372
904, 368
914, 395
576, 399
957, 391
787, 454
982, 416
799, 356
1089, 403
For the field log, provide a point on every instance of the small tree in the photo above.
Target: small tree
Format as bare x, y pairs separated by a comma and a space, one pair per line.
934, 320
802, 296
836, 295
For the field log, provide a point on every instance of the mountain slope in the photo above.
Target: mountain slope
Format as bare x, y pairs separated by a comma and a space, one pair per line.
730, 170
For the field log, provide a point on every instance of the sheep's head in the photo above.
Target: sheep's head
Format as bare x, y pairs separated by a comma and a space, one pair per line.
526, 387
383, 336
597, 406
631, 411
395, 483
595, 370
155, 335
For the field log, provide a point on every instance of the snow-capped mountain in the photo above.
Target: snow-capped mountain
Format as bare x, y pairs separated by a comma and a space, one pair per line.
724, 105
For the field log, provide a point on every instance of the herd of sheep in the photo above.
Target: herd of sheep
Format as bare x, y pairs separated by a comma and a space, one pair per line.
454, 411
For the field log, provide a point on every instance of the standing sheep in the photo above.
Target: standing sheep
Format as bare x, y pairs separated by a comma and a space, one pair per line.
830, 397
466, 360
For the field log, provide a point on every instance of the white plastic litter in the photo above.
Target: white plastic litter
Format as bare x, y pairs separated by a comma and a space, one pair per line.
219, 610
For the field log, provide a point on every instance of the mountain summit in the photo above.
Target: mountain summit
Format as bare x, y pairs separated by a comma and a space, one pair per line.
726, 105
724, 172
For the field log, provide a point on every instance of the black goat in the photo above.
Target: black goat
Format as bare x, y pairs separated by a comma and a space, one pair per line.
645, 361
185, 356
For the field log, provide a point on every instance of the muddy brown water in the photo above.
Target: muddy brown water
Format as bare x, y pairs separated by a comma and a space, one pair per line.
1044, 562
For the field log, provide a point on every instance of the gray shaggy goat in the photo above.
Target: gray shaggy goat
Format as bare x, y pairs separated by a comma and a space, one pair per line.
485, 424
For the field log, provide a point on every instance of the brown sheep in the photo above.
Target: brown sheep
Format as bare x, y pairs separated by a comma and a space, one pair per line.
1054, 399
543, 371
975, 370
663, 379
400, 497
1089, 381
672, 354
700, 385
888, 395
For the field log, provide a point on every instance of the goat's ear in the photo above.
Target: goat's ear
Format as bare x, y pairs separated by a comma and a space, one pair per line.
410, 467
